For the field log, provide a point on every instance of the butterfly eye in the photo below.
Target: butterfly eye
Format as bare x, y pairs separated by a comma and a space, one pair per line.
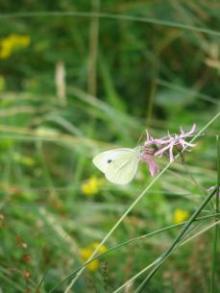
109, 161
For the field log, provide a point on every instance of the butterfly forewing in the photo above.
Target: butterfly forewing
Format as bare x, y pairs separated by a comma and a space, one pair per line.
119, 165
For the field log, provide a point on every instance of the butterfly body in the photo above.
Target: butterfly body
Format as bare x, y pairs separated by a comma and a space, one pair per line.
118, 165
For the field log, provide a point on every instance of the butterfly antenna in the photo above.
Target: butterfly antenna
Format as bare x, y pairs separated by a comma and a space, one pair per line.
141, 137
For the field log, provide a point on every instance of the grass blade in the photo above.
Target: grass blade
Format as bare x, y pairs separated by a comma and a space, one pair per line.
114, 16
216, 231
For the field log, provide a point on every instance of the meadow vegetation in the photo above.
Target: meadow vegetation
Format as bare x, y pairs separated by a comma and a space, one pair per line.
80, 77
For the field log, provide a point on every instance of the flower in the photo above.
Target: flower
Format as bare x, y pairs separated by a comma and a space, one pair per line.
177, 140
166, 144
147, 155
86, 252
157, 147
91, 186
180, 216
12, 42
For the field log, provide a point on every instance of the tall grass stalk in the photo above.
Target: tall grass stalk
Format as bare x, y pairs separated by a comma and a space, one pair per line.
216, 231
93, 51
134, 203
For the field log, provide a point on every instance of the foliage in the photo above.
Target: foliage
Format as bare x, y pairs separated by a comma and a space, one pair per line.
74, 84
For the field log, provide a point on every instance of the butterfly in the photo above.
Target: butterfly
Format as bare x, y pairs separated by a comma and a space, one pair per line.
119, 165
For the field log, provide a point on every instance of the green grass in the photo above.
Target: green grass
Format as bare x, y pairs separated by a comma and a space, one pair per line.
128, 66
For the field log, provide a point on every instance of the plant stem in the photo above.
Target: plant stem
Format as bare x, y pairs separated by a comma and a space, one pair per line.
216, 231
166, 254
93, 50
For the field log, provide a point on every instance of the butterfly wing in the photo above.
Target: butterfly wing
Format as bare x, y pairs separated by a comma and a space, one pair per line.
119, 165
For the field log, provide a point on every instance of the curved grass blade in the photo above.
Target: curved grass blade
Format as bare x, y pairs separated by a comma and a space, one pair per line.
114, 16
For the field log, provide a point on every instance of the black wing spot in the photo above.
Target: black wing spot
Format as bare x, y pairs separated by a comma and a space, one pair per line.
109, 161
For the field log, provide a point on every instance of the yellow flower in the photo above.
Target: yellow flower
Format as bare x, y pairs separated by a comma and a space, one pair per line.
86, 252
91, 186
180, 216
12, 42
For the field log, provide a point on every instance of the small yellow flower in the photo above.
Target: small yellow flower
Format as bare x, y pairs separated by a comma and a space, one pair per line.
101, 249
91, 186
180, 216
86, 252
12, 42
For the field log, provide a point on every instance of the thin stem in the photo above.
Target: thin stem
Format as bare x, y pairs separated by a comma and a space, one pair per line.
151, 98
166, 254
199, 233
93, 50
216, 231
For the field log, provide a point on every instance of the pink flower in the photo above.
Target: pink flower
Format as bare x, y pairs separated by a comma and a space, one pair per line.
147, 156
177, 140
157, 147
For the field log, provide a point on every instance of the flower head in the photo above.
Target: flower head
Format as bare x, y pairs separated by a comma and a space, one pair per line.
180, 216
147, 155
12, 42
86, 252
166, 144
157, 147
177, 140
91, 186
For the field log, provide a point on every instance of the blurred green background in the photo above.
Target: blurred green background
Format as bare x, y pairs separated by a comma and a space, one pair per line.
79, 77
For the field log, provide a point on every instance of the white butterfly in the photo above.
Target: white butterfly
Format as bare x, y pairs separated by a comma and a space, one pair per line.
119, 165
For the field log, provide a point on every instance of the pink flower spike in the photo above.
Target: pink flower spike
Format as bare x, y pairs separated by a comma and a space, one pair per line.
148, 158
171, 152
186, 144
189, 133
161, 151
153, 167
149, 140
157, 147
165, 145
